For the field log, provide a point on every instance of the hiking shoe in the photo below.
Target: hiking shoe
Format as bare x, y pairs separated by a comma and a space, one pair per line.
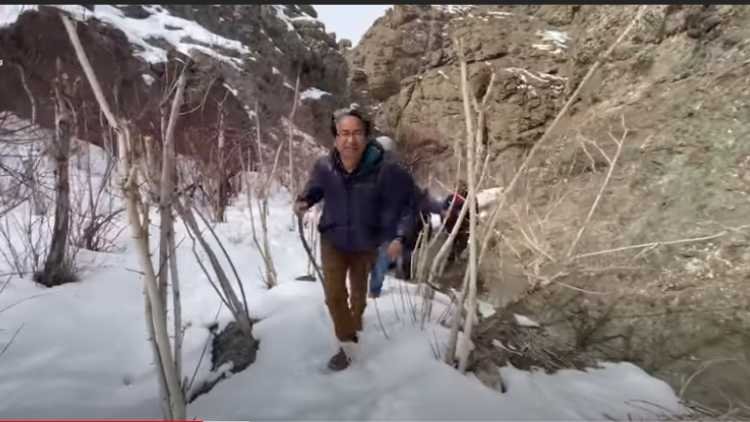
339, 361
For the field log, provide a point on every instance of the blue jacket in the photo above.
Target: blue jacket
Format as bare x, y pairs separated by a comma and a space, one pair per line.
363, 209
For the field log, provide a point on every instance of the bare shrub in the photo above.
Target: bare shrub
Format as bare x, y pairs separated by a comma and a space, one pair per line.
132, 170
529, 238
258, 193
95, 224
4, 348
25, 241
25, 227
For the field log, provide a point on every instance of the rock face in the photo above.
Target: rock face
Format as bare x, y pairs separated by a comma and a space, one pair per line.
242, 54
406, 63
676, 92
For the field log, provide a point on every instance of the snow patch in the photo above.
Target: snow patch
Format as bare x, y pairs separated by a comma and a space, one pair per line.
553, 77
250, 112
148, 79
500, 14
558, 37
183, 34
545, 47
523, 73
530, 79
453, 8
281, 13
313, 93
486, 197
486, 310
525, 321
230, 89
306, 18
555, 41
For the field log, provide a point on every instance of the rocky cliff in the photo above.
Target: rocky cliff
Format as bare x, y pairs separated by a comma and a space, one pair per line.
406, 65
660, 274
242, 55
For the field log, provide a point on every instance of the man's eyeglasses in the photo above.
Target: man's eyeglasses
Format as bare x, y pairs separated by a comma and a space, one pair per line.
356, 134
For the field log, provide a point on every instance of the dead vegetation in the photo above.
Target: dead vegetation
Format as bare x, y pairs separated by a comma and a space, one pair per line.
595, 293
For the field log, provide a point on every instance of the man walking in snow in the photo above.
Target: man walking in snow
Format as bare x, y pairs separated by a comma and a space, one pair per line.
364, 197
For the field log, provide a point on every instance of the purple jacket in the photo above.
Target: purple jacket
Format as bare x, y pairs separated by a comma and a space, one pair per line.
363, 209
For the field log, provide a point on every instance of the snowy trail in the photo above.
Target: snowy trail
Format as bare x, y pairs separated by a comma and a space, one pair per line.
399, 378
83, 352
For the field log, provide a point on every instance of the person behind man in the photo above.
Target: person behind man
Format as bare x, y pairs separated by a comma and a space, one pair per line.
382, 261
363, 198
418, 208
425, 206
452, 206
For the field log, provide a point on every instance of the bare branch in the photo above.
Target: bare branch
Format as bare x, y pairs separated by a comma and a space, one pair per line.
552, 127
649, 244
611, 169
89, 71
29, 94
10, 342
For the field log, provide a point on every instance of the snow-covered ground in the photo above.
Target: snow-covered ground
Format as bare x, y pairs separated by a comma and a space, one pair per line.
83, 350
313, 94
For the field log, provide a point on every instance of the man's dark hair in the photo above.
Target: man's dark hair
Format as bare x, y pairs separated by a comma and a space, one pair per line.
339, 114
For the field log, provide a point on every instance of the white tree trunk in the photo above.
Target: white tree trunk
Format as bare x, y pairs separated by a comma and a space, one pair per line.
163, 389
176, 304
166, 198
139, 227
166, 190
261, 201
220, 200
474, 139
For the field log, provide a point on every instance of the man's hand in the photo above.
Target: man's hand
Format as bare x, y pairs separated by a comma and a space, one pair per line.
301, 207
395, 248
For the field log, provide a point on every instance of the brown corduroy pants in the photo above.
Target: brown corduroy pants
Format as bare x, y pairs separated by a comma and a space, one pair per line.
346, 307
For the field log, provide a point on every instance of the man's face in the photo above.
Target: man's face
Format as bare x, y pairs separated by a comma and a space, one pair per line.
350, 139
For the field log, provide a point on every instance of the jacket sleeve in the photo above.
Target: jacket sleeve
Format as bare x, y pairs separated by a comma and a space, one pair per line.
313, 191
432, 205
407, 194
